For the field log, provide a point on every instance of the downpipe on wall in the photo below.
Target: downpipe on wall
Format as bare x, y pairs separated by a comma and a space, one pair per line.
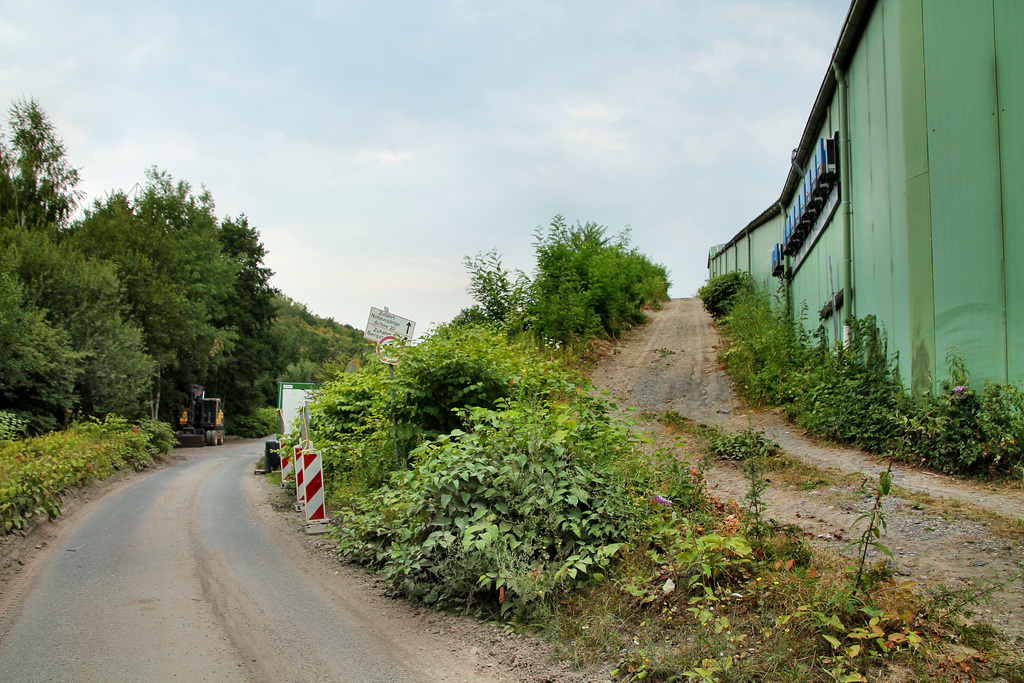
845, 210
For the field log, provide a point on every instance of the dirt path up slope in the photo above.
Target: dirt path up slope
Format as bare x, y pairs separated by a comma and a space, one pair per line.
671, 364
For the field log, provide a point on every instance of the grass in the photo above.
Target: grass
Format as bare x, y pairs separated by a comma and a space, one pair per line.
767, 624
790, 613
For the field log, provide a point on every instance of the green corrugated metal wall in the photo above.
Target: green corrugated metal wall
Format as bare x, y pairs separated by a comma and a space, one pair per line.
1009, 28
963, 154
936, 104
762, 241
880, 266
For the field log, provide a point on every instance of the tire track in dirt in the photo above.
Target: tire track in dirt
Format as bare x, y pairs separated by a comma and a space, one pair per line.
671, 364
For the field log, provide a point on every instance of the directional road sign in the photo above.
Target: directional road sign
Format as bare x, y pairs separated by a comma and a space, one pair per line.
386, 324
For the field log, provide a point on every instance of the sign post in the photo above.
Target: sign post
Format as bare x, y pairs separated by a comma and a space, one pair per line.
389, 331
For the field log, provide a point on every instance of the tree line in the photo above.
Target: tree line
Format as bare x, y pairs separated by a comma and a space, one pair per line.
121, 307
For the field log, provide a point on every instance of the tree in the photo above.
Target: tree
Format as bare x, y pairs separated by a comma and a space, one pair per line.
246, 378
37, 363
83, 296
165, 247
496, 293
37, 183
308, 341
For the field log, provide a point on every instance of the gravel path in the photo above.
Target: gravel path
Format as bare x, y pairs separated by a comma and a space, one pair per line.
671, 364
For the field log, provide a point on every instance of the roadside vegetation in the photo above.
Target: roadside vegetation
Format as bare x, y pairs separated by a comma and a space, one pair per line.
854, 395
512, 492
587, 284
35, 471
111, 310
534, 507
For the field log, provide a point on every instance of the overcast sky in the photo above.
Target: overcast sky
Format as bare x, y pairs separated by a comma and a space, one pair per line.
374, 144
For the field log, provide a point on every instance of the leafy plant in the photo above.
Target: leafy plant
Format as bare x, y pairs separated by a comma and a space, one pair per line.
720, 292
872, 534
34, 472
536, 498
748, 444
853, 394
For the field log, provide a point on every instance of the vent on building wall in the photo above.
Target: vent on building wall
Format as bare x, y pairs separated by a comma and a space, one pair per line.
778, 264
818, 184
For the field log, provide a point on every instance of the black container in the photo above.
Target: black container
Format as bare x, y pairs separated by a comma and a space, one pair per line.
271, 458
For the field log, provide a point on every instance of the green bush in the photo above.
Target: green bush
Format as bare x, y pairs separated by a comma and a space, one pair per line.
457, 368
746, 445
446, 372
260, 423
767, 349
34, 472
534, 499
161, 437
350, 424
850, 395
720, 292
964, 431
854, 395
589, 285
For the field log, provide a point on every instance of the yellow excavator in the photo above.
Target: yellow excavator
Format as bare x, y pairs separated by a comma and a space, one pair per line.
202, 422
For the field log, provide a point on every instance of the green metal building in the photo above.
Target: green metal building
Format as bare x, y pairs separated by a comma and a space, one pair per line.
905, 198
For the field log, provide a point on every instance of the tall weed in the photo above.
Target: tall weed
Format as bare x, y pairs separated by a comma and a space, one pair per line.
854, 394
35, 472
767, 349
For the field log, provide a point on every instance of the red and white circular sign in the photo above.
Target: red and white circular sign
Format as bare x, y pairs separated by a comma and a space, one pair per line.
387, 350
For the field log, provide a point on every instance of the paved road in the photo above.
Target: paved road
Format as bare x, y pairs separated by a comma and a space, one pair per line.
174, 577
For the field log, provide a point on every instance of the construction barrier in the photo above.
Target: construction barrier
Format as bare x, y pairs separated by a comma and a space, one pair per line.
300, 485
316, 511
287, 467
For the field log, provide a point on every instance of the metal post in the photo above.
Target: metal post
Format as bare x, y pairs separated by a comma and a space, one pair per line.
394, 418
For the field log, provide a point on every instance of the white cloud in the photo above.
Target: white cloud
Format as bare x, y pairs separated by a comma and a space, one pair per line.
370, 138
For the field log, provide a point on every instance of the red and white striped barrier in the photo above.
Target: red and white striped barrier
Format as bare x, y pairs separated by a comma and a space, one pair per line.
287, 468
300, 480
316, 511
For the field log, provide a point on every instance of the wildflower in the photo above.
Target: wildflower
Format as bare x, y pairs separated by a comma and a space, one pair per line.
660, 500
958, 390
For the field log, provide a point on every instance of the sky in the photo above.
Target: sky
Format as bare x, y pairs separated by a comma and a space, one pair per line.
374, 145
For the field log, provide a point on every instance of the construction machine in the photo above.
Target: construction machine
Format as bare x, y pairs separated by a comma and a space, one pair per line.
202, 422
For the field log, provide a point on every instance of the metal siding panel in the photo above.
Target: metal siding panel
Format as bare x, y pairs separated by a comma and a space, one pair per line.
1009, 27
741, 255
860, 76
762, 242
917, 186
966, 216
878, 120
898, 324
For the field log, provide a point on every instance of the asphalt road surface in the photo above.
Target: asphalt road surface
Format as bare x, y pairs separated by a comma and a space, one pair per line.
177, 577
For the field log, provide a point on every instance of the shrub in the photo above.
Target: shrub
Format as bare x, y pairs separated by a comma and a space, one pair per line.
964, 431
850, 395
161, 437
767, 349
448, 371
588, 284
458, 368
536, 498
720, 292
854, 394
34, 472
